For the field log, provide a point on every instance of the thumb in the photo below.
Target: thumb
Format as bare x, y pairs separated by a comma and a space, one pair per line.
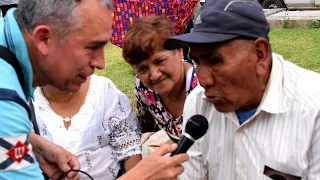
63, 165
165, 149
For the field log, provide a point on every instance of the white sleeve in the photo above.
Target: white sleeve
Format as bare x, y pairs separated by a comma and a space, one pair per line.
123, 124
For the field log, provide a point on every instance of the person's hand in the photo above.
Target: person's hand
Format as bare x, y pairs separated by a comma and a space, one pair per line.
156, 166
53, 159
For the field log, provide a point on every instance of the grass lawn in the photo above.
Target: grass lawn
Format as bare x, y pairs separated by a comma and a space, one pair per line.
299, 46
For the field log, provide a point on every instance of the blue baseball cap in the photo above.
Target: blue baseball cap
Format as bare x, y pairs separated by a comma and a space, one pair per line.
222, 20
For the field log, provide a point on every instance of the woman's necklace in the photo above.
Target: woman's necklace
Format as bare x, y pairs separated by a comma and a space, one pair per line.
66, 119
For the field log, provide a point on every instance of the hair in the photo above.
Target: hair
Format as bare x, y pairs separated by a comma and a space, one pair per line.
60, 15
146, 37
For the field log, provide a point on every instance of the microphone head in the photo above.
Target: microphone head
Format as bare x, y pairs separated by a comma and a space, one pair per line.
197, 126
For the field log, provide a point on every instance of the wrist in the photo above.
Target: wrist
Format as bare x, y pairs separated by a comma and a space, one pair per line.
38, 143
33, 140
133, 174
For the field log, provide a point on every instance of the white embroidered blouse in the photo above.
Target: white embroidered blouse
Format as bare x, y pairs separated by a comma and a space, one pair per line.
101, 134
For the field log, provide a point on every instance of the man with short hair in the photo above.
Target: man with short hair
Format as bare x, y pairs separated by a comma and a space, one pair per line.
263, 111
57, 43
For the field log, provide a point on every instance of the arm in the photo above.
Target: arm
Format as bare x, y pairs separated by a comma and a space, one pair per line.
16, 129
145, 118
131, 162
156, 166
124, 133
53, 159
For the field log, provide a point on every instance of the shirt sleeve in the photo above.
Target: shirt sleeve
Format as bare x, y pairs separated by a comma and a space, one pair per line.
314, 153
145, 118
124, 133
15, 127
195, 167
14, 118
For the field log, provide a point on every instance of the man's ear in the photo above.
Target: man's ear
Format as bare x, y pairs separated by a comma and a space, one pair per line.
42, 37
263, 55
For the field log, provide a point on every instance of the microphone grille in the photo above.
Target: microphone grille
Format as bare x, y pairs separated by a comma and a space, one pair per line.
197, 126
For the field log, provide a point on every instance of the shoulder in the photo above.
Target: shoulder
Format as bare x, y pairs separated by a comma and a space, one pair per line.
103, 85
100, 80
9, 78
301, 85
142, 90
194, 100
139, 84
108, 89
196, 103
192, 79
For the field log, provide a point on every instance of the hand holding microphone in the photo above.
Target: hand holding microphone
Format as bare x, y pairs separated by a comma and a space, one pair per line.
196, 127
155, 166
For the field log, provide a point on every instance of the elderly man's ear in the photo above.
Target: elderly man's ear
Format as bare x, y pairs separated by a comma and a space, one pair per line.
263, 55
42, 37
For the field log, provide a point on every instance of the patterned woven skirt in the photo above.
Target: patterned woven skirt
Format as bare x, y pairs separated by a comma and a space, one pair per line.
127, 11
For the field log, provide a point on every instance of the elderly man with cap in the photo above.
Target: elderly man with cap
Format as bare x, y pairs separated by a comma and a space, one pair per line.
263, 111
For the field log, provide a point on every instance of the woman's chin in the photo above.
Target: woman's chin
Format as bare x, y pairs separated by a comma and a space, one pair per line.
162, 90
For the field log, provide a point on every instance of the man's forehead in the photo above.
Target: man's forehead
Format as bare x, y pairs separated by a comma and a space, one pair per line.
214, 48
203, 49
98, 29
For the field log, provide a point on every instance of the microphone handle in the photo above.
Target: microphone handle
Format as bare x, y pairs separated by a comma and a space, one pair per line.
183, 145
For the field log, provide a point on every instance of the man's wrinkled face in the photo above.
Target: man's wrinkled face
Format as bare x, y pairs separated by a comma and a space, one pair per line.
72, 59
227, 72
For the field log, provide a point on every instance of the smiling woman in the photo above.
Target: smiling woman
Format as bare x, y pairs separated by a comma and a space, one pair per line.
163, 78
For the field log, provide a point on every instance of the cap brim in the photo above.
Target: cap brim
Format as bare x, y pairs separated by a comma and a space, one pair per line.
185, 40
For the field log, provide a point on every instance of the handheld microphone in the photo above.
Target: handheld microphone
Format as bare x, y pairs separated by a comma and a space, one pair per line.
196, 127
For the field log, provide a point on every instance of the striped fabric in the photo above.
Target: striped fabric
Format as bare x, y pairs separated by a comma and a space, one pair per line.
8, 2
283, 136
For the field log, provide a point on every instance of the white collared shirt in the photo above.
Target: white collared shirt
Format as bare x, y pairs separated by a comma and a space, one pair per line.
283, 134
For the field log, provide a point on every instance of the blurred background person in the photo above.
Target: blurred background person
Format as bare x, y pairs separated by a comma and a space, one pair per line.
164, 78
96, 124
186, 49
